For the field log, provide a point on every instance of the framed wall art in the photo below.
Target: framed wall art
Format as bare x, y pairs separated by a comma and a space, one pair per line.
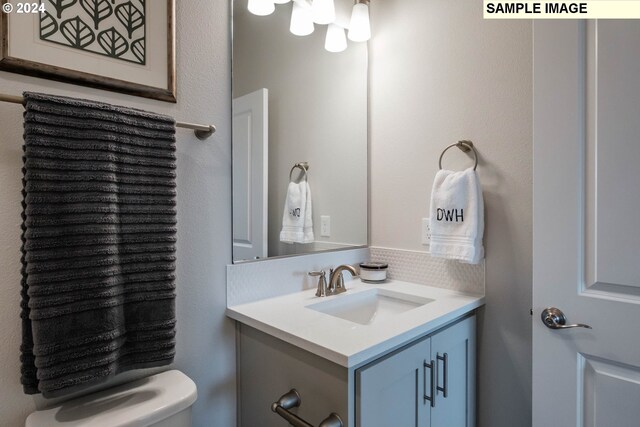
119, 45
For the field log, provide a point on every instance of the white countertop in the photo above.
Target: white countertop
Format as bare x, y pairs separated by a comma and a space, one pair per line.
347, 343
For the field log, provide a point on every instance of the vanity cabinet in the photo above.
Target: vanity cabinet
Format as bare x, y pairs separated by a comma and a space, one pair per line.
429, 383
386, 391
390, 392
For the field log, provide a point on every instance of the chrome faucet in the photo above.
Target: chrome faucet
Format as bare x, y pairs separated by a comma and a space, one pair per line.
336, 281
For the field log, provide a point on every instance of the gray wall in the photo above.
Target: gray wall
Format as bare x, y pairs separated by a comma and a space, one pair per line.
440, 73
206, 350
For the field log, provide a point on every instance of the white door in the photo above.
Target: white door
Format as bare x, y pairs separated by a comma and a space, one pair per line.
586, 222
250, 157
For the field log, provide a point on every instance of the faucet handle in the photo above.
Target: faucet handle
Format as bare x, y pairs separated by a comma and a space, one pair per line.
322, 282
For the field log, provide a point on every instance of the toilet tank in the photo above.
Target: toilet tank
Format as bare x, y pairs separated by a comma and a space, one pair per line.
161, 400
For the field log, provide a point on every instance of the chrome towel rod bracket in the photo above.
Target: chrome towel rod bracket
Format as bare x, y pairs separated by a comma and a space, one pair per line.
202, 132
464, 145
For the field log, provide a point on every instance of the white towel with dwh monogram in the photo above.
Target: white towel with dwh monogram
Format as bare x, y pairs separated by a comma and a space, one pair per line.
457, 216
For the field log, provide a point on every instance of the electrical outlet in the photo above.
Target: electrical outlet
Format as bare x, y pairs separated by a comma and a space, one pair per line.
325, 226
426, 231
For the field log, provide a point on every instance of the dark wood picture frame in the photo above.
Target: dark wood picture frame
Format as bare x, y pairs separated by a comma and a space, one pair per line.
46, 71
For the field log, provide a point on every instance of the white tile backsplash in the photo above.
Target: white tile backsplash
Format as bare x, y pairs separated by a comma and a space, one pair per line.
253, 281
422, 268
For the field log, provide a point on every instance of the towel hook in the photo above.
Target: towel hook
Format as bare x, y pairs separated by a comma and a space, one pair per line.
465, 146
302, 165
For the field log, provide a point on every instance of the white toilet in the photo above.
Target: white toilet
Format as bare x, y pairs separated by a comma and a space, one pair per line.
161, 400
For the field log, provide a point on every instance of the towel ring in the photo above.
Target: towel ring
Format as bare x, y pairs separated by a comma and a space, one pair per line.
465, 146
302, 165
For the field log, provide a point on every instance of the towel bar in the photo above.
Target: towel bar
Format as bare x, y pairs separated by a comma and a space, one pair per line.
202, 131
292, 399
465, 146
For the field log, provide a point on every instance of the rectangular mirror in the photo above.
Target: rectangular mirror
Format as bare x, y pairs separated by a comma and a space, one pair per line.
299, 129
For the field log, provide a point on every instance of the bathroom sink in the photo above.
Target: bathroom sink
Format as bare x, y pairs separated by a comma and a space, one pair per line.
370, 306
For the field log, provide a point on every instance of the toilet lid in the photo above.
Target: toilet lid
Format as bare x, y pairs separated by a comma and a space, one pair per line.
137, 403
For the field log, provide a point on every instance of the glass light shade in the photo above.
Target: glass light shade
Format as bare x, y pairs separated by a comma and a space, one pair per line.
336, 40
323, 11
360, 27
261, 7
281, 1
301, 20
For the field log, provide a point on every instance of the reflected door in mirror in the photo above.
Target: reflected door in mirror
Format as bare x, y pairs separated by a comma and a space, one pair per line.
250, 181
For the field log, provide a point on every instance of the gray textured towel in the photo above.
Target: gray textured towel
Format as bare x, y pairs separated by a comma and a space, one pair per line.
99, 231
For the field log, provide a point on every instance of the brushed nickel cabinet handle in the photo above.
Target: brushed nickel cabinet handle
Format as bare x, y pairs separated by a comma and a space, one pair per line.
445, 368
432, 397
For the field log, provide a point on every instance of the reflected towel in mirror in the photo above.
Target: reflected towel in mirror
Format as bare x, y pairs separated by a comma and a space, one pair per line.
297, 223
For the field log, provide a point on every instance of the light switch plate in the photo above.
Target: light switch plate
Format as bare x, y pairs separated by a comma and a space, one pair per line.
325, 226
426, 231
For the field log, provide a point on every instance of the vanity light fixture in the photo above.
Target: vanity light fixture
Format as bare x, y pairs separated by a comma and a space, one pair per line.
336, 40
301, 18
261, 7
304, 13
323, 11
359, 26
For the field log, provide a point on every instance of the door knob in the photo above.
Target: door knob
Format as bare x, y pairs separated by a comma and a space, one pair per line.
554, 318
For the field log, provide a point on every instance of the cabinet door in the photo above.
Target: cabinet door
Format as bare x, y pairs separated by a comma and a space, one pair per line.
390, 393
453, 349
